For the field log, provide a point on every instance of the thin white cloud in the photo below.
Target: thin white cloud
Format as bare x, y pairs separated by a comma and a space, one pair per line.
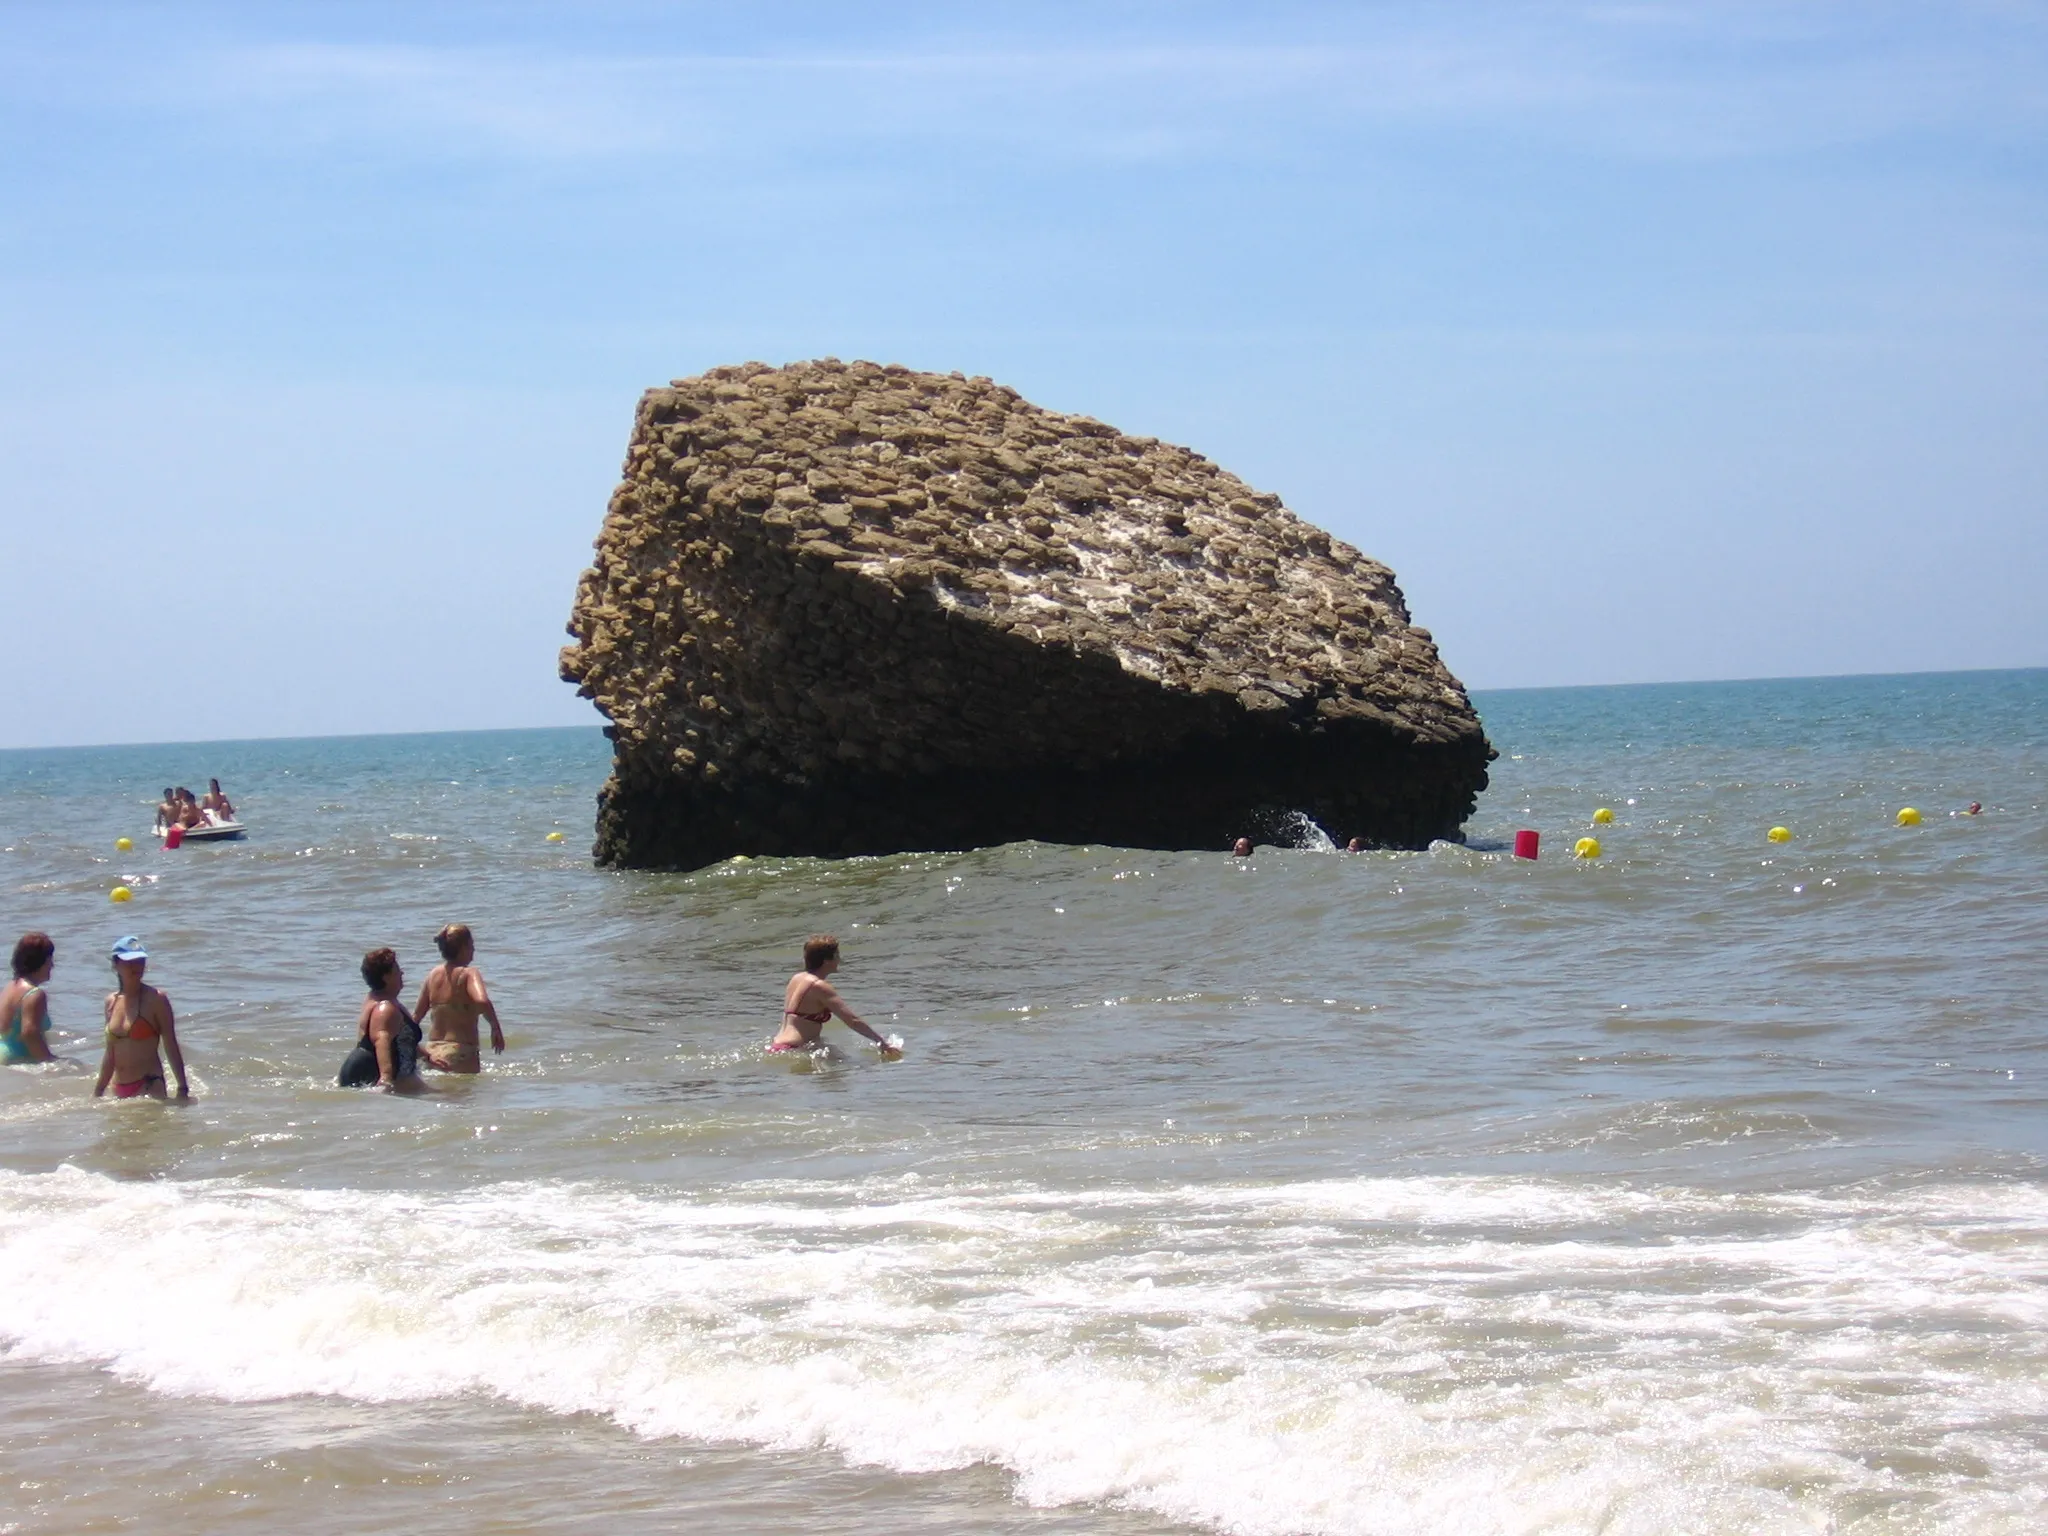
1061, 101
1644, 80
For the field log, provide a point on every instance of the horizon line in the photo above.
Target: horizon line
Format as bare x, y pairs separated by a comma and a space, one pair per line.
508, 730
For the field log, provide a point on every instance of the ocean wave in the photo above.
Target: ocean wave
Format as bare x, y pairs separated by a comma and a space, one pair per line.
1455, 1354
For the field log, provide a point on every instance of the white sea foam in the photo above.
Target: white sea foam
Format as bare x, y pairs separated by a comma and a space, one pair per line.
1297, 829
1367, 1355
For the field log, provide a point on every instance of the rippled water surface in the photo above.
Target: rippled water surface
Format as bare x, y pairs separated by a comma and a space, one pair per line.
1698, 1188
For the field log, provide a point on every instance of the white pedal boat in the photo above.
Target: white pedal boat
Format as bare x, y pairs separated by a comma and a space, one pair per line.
213, 832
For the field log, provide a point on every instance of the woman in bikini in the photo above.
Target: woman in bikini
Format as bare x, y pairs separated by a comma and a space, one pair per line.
215, 805
452, 999
139, 1020
24, 1009
387, 1052
810, 1000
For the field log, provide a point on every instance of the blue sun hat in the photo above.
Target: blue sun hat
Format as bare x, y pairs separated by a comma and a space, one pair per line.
130, 948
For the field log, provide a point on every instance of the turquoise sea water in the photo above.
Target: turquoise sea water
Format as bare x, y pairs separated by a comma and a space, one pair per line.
1698, 1188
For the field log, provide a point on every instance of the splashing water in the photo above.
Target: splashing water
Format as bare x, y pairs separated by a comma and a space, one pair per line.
1297, 829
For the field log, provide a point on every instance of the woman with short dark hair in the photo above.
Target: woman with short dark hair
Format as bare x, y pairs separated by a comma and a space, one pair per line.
387, 1053
810, 1000
24, 1008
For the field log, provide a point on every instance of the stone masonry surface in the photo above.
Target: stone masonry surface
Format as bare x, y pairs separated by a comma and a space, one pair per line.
843, 608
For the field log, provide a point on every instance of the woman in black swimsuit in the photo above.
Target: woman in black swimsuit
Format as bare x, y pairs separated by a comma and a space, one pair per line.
388, 1054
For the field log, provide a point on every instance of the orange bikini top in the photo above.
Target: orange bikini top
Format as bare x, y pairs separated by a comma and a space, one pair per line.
138, 1029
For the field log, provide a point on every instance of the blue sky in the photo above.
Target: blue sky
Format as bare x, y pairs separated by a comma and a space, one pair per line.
1644, 341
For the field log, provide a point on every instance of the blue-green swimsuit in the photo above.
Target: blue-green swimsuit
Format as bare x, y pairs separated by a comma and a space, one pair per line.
13, 1050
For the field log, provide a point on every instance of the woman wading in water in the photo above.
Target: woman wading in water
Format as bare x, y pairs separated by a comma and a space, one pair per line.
24, 1009
388, 1052
139, 1020
452, 999
810, 1001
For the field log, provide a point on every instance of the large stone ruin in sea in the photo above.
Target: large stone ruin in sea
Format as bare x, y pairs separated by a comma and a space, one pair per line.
840, 608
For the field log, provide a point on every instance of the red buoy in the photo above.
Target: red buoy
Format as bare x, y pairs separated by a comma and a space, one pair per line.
173, 836
1525, 844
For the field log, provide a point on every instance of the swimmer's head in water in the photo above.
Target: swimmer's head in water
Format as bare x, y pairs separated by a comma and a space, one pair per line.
1976, 808
819, 948
453, 940
1241, 849
378, 964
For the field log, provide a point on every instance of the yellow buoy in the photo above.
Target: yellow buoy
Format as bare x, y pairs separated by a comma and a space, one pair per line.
1908, 817
120, 893
555, 837
1587, 848
1602, 817
123, 845
1779, 834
